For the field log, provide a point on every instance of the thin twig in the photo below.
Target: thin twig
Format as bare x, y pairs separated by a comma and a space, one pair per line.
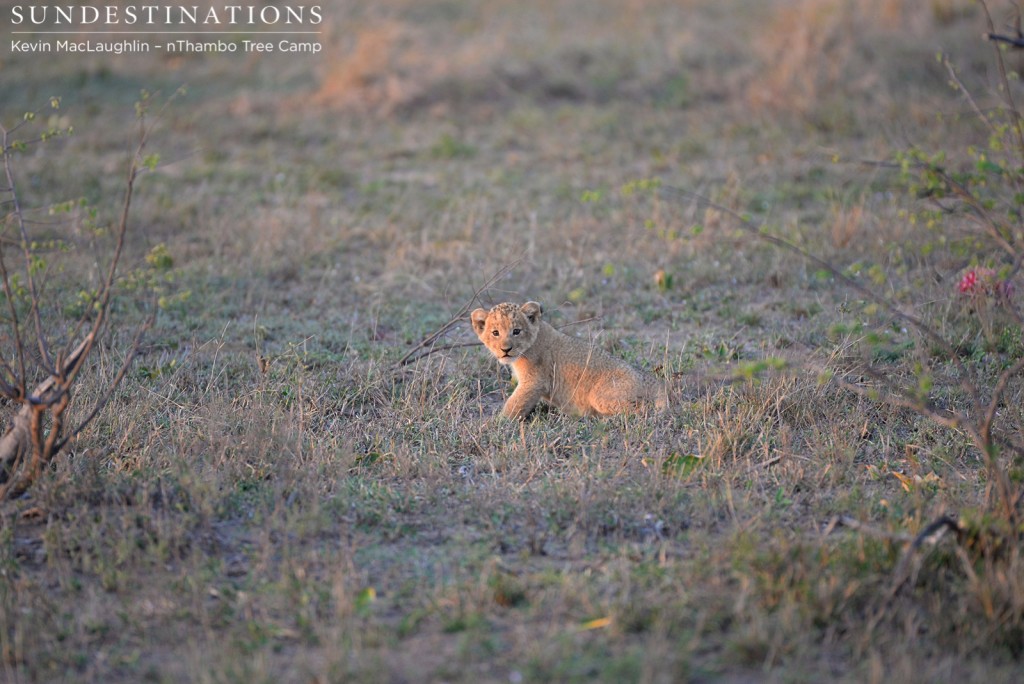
998, 38
134, 169
931, 534
429, 340
997, 394
854, 524
881, 300
133, 350
953, 420
967, 94
442, 348
581, 321
19, 217
980, 434
979, 214
103, 308
9, 293
1018, 123
928, 534
901, 573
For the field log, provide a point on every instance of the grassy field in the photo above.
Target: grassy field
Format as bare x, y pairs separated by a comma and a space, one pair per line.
271, 497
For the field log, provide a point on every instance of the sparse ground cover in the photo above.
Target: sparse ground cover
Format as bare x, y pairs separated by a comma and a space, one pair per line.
270, 497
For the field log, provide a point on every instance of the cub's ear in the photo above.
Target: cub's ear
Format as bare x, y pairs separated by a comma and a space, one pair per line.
533, 311
479, 319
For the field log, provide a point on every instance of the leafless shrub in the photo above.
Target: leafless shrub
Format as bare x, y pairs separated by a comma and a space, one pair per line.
41, 361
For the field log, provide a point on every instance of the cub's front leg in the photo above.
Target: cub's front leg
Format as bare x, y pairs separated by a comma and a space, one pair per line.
522, 401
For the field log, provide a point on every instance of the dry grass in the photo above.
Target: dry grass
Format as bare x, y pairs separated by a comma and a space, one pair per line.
323, 516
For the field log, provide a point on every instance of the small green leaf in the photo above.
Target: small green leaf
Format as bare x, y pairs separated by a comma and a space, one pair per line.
364, 599
986, 166
681, 465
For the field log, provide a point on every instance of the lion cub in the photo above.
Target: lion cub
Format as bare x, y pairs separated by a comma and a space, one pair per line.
568, 373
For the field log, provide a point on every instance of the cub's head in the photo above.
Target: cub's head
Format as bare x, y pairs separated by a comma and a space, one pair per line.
508, 330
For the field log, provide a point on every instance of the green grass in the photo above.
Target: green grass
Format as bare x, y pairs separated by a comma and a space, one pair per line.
331, 517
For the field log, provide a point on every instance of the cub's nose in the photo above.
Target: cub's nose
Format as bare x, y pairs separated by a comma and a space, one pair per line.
506, 348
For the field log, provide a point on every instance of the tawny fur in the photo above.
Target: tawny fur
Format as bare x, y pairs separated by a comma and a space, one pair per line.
566, 372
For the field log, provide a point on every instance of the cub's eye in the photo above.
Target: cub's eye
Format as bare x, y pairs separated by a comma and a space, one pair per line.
516, 331
494, 332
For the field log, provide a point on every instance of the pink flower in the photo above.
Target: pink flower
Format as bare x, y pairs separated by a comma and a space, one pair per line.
979, 282
968, 282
